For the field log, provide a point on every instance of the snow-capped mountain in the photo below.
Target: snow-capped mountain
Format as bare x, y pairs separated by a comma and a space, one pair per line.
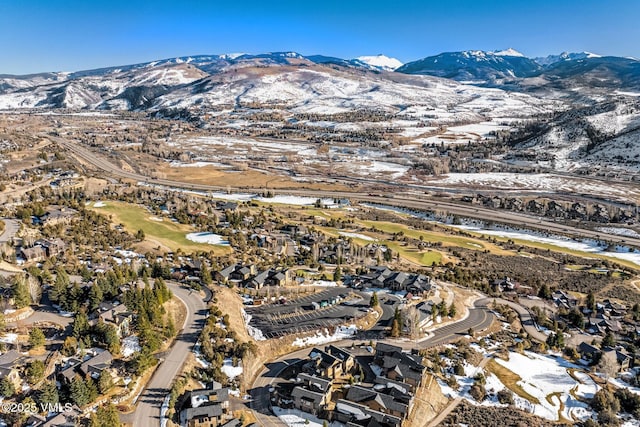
564, 56
475, 66
381, 62
508, 52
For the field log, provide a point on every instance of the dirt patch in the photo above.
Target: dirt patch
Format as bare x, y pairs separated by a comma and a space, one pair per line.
428, 403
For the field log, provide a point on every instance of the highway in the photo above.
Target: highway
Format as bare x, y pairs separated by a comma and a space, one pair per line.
399, 197
147, 412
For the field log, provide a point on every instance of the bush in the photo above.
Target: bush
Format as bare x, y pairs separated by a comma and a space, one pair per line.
478, 392
505, 397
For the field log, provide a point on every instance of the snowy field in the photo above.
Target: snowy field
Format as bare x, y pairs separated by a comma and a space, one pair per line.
544, 377
208, 238
341, 333
357, 236
534, 182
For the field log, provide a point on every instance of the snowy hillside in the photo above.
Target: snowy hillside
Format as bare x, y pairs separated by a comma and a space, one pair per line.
381, 61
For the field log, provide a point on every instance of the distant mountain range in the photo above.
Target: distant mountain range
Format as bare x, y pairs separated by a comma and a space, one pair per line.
587, 106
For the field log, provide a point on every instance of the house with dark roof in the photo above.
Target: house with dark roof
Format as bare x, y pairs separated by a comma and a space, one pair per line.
206, 407
356, 414
308, 400
323, 364
96, 364
377, 401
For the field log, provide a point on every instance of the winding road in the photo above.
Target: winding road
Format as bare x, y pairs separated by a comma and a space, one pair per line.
150, 400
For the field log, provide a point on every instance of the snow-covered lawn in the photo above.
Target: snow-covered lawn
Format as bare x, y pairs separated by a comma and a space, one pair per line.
341, 333
229, 370
209, 238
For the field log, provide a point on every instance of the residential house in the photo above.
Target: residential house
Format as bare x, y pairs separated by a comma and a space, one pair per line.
58, 215
377, 401
10, 364
96, 364
356, 414
207, 407
118, 316
36, 253
324, 365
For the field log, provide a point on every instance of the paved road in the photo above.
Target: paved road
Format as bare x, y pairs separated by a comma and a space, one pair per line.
11, 227
148, 411
402, 196
524, 314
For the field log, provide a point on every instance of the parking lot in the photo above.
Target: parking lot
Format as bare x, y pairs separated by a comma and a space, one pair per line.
300, 315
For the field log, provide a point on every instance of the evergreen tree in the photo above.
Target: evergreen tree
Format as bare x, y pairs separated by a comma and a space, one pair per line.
337, 274
105, 382
205, 275
591, 301
7, 389
78, 391
544, 292
105, 416
374, 300
80, 325
70, 346
36, 338
35, 371
452, 310
395, 328
20, 292
96, 296
48, 393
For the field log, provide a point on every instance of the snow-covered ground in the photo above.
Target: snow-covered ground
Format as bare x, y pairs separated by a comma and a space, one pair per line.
9, 338
99, 204
325, 283
231, 371
209, 238
254, 332
534, 182
130, 345
357, 236
341, 333
619, 231
544, 377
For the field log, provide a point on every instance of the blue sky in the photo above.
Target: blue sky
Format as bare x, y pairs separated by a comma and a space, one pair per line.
59, 35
